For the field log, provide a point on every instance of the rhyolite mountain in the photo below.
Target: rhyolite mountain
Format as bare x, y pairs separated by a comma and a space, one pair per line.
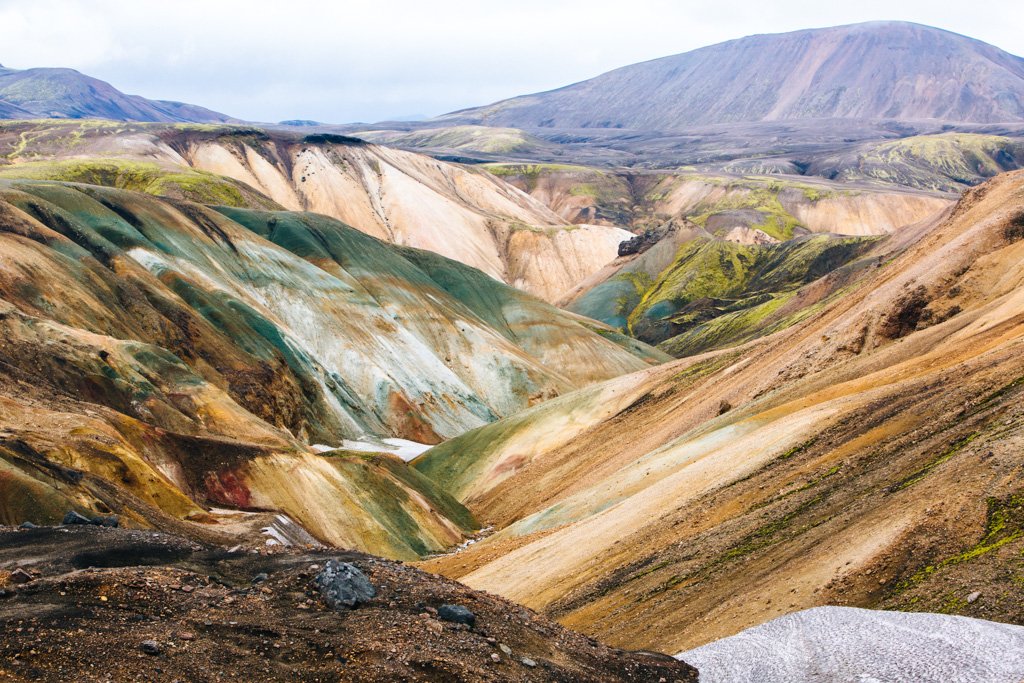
68, 94
891, 70
408, 199
160, 358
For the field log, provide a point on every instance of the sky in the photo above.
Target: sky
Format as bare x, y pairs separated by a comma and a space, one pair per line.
348, 61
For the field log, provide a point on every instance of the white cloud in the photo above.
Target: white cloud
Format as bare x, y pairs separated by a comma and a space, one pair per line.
345, 61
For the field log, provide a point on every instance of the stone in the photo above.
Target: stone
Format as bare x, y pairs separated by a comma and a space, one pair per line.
973, 596
495, 657
73, 517
19, 576
150, 647
528, 662
456, 614
505, 648
27, 525
110, 521
260, 578
639, 244
342, 584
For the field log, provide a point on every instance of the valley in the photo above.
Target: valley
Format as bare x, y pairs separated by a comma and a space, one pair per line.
672, 367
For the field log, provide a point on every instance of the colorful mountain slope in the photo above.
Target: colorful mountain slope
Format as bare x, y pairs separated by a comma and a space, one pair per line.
160, 357
868, 455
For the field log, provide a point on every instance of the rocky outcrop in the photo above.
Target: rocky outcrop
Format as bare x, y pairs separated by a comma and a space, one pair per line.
194, 613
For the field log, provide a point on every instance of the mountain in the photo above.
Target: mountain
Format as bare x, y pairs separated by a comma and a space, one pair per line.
867, 455
890, 70
68, 94
165, 360
409, 199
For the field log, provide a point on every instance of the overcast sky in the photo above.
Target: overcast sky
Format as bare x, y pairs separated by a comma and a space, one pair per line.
368, 61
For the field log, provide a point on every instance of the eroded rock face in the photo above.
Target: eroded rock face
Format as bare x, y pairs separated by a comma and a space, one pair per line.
639, 244
343, 585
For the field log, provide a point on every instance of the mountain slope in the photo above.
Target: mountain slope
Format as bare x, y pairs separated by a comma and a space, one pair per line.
864, 71
161, 359
869, 456
404, 198
68, 94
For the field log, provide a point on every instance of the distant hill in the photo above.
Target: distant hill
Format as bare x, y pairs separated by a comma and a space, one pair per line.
864, 71
68, 94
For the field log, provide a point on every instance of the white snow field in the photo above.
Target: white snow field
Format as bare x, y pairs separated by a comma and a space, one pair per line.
839, 644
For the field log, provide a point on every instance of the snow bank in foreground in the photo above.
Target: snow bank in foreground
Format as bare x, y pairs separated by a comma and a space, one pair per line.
865, 646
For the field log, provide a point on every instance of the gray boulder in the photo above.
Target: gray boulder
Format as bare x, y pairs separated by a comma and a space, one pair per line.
73, 517
342, 584
456, 614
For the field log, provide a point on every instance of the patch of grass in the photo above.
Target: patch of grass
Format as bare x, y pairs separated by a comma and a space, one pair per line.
1004, 523
149, 178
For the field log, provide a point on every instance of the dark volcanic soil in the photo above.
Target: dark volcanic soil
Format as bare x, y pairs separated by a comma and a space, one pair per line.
96, 595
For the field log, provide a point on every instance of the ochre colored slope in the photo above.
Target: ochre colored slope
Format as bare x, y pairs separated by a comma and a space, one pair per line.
869, 455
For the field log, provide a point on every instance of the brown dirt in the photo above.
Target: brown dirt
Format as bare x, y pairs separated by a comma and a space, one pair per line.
97, 594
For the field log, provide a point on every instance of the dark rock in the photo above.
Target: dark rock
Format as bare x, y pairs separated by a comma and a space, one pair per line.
27, 525
150, 647
111, 521
73, 517
639, 244
343, 585
724, 407
456, 614
19, 576
260, 578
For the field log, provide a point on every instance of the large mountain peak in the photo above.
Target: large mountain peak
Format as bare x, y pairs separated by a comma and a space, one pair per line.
876, 70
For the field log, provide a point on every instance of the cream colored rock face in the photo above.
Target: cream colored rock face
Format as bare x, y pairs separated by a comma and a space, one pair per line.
416, 201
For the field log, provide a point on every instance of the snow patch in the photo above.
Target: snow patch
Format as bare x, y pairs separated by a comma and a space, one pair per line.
403, 448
